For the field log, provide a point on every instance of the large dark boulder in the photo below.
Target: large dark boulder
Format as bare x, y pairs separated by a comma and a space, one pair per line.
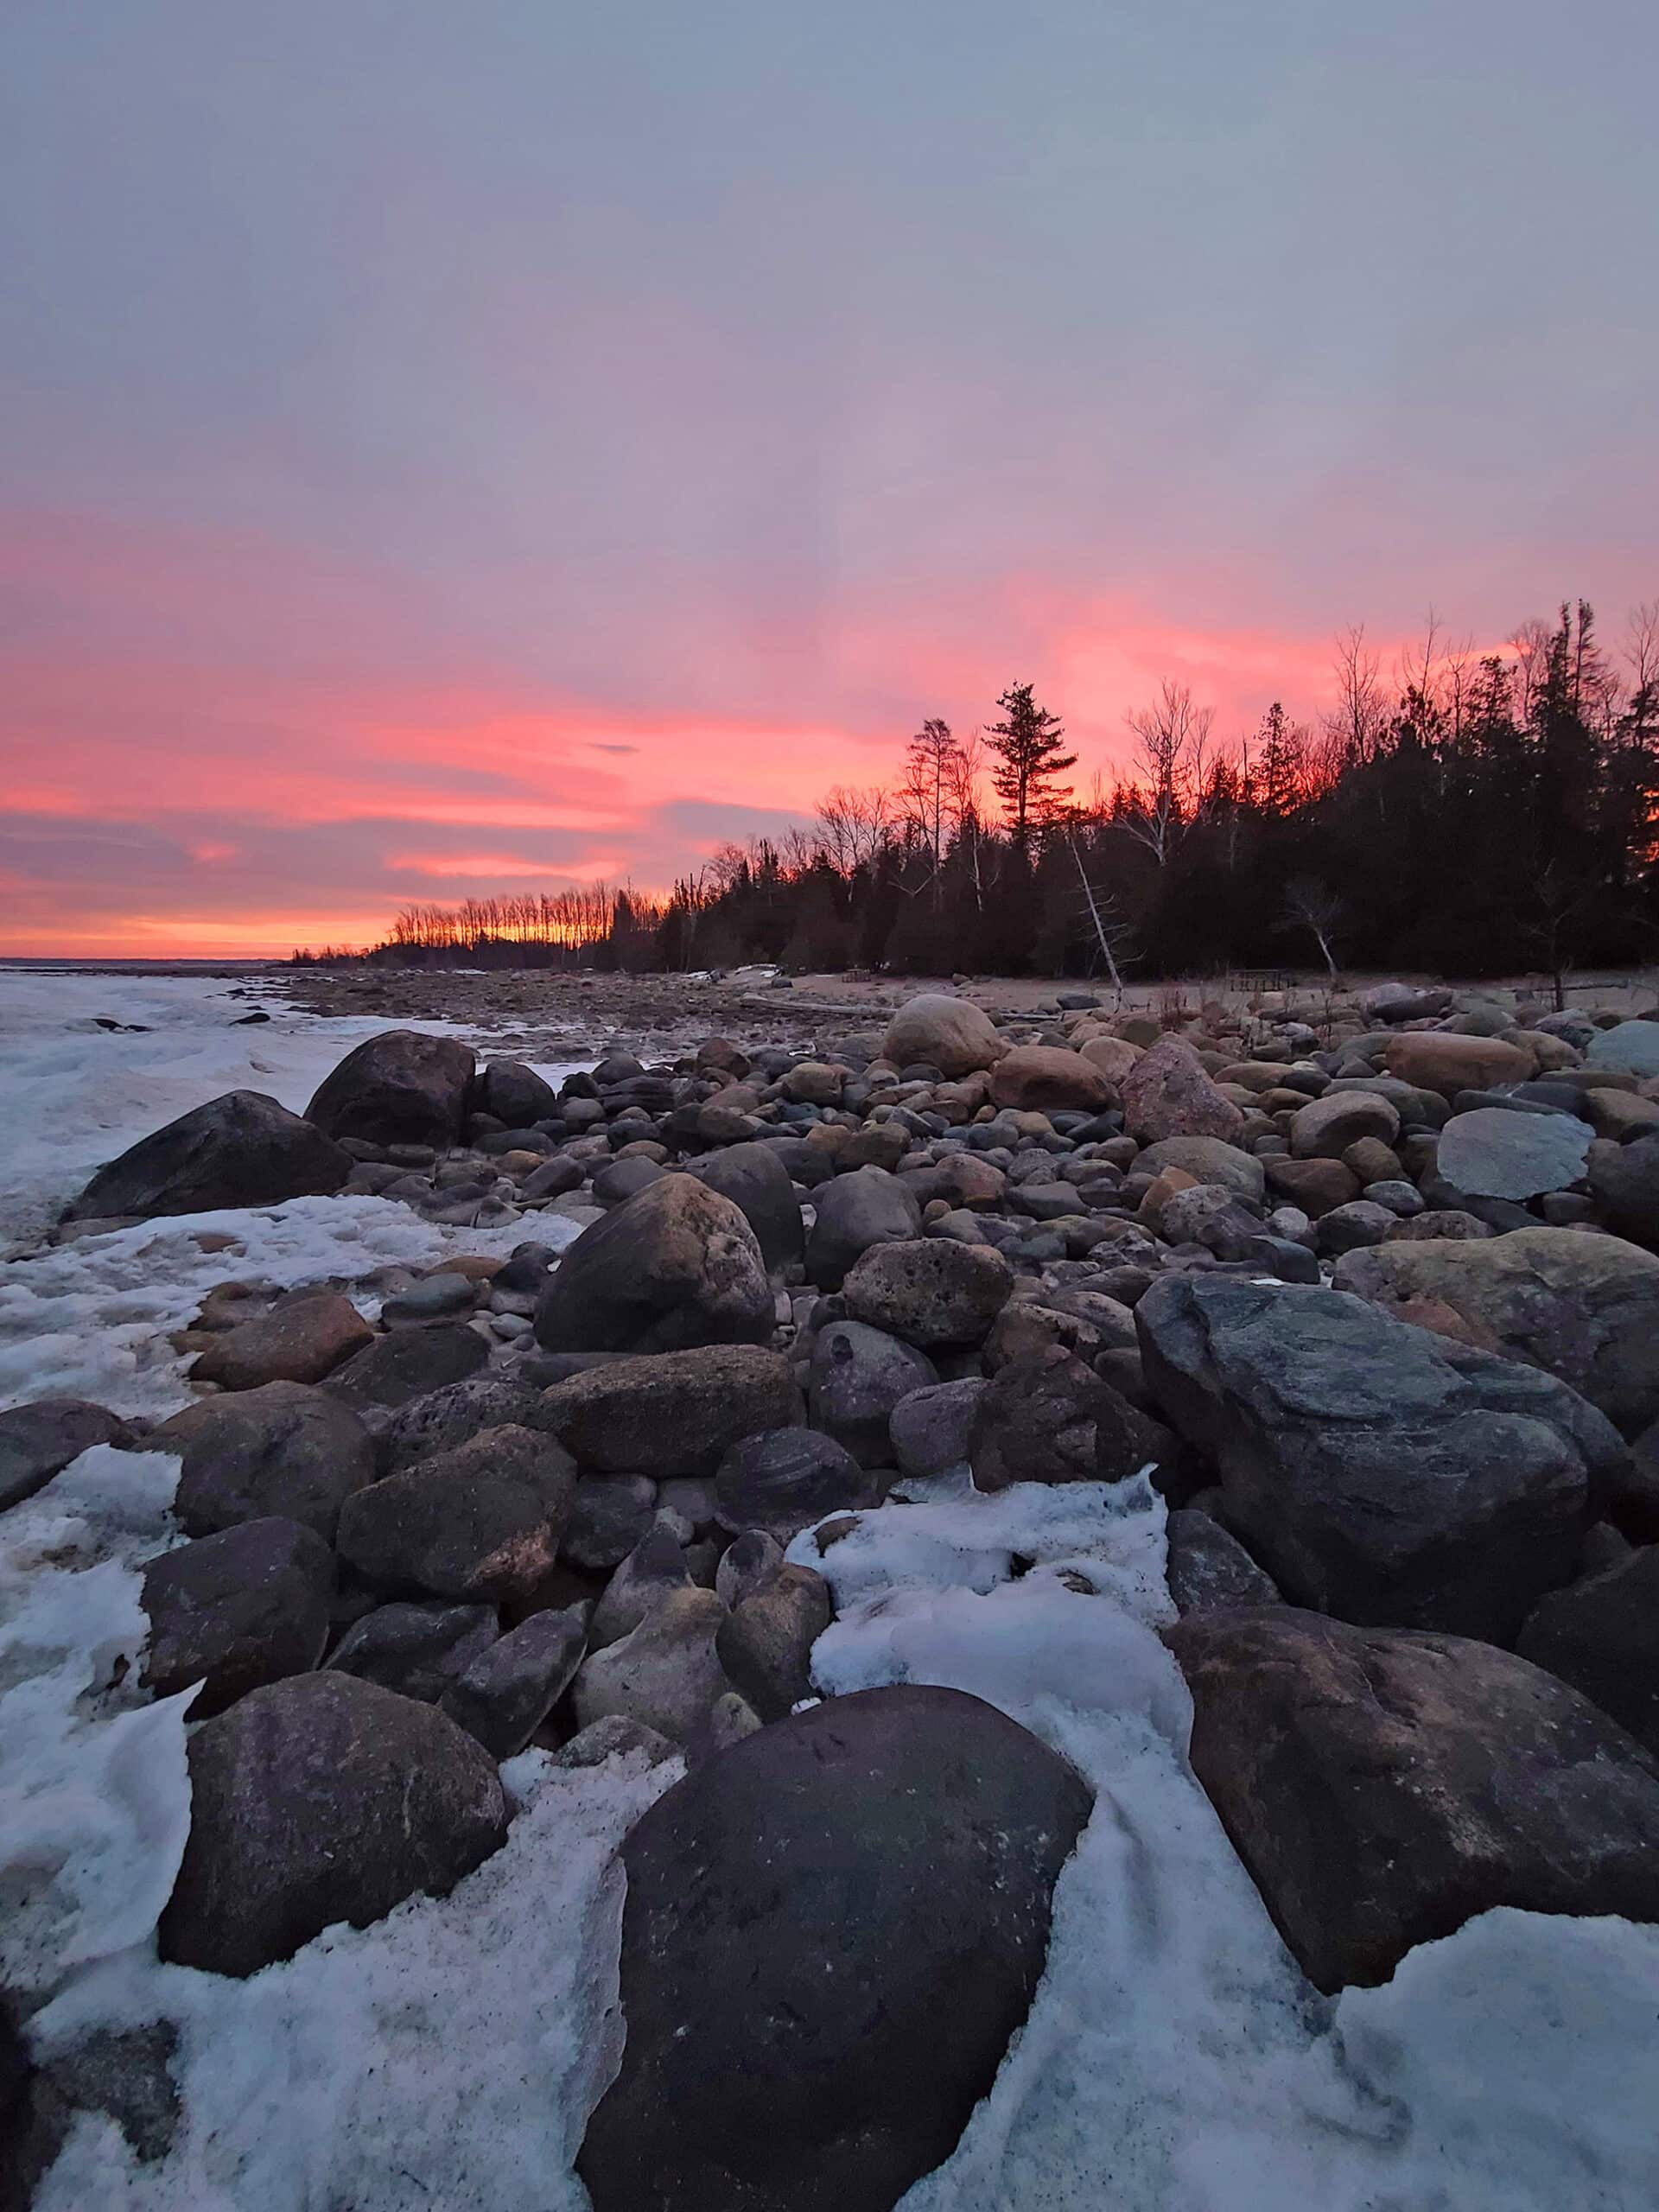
241, 1150
1378, 1472
236, 1611
757, 1181
673, 1414
321, 1799
514, 1093
397, 1087
831, 1930
481, 1523
868, 1206
673, 1266
1048, 1417
285, 1450
1602, 1635
39, 1440
1383, 1786
406, 1364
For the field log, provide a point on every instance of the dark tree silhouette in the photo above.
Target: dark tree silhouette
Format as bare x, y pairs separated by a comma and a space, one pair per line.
1027, 741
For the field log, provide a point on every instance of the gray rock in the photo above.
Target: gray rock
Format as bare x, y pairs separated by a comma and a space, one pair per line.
241, 1150
317, 1800
747, 1564
930, 1429
758, 1183
432, 1297
1213, 1161
514, 1093
1624, 1180
674, 1413
406, 1365
481, 1523
39, 1440
928, 1290
853, 1905
418, 1650
1631, 1048
674, 1267
855, 1212
764, 1644
287, 1450
614, 1737
1384, 1787
1350, 1228
1378, 1472
664, 1672
502, 1698
237, 1609
610, 1516
1209, 1571
1602, 1635
857, 1377
624, 1179
1493, 1154
553, 1178
654, 1566
397, 1087
783, 1479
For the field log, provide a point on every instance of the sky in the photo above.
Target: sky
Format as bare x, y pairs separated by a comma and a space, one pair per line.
447, 449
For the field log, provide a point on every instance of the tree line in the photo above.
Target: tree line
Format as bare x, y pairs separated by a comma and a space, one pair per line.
1463, 812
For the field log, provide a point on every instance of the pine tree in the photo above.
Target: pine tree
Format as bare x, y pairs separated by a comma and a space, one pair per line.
1028, 743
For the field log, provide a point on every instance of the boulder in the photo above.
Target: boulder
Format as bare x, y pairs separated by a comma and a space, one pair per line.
286, 1450
481, 1523
418, 1650
1167, 1094
1113, 1056
241, 1150
440, 1419
857, 1376
1624, 1182
1049, 1078
406, 1364
755, 1179
502, 1698
1325, 1127
1047, 1418
1211, 1160
1207, 1570
514, 1093
624, 1179
1317, 1186
664, 1673
237, 1610
747, 1564
1384, 1787
784, 1480
40, 1439
931, 1427
1439, 1060
610, 1516
656, 1566
853, 1907
928, 1291
1628, 1048
935, 1030
868, 1206
303, 1337
1582, 1306
1378, 1472
397, 1087
1602, 1635
1494, 1153
674, 1413
317, 1800
764, 1644
675, 1266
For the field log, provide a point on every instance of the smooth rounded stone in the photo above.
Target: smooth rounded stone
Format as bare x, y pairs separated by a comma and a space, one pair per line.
857, 1377
514, 1093
502, 1698
1495, 1153
285, 1450
674, 1267
1291, 1223
481, 1522
654, 1566
318, 1800
432, 1297
1580, 1305
1440, 1060
693, 1498
1632, 1048
1384, 1787
756, 1180
614, 1737
1315, 1187
1168, 1093
1045, 1078
1624, 1182
237, 1609
1113, 1056
1283, 1258
1602, 1636
624, 1179
1047, 1418
853, 1212
747, 1564
664, 1672
302, 1339
1350, 1228
930, 1429
610, 1516
853, 1905
417, 1650
936, 1030
40, 1439
1209, 1160
397, 1087
1325, 1127
1404, 1200
764, 1644
673, 1414
1404, 1003
1086, 1322
407, 1363
928, 1291
1046, 1202
554, 1179
1377, 1471
784, 1480
240, 1150
1209, 1571
439, 1421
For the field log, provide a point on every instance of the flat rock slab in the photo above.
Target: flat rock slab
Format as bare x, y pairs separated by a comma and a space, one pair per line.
1494, 1153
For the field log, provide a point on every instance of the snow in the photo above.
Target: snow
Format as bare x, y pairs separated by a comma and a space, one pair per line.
90, 1319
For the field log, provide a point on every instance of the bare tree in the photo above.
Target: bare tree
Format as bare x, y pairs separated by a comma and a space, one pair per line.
1355, 725
927, 790
1171, 741
1309, 904
854, 824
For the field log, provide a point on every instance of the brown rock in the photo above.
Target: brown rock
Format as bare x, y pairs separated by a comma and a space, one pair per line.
1439, 1059
1167, 1094
301, 1340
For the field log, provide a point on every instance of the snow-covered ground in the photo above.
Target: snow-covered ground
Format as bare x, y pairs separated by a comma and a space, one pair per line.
90, 1319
